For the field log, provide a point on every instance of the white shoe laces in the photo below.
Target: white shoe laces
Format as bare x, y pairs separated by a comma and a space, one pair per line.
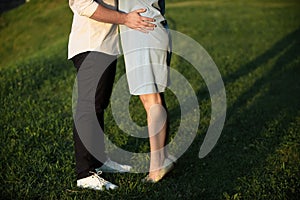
97, 175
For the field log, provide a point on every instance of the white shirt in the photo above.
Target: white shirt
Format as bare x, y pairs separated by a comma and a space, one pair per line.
88, 34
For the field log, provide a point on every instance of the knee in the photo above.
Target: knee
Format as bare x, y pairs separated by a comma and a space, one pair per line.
150, 99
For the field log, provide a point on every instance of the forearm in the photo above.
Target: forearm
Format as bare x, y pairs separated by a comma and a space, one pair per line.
132, 20
106, 15
95, 11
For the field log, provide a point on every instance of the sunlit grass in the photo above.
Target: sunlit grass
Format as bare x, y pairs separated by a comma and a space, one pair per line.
255, 45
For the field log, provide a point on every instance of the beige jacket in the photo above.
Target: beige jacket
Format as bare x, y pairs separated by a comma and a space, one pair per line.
88, 34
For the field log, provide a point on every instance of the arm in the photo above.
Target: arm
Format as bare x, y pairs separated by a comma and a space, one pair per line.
132, 20
93, 10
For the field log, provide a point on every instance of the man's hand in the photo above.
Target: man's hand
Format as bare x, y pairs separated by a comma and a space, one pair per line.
132, 20
135, 21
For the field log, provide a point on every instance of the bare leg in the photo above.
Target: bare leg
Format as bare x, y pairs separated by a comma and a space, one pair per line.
157, 127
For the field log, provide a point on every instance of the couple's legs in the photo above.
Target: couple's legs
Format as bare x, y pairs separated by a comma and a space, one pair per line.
96, 72
157, 120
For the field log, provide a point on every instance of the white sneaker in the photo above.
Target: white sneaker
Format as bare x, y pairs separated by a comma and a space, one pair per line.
113, 167
95, 182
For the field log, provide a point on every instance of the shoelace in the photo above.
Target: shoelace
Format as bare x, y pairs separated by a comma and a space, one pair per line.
97, 175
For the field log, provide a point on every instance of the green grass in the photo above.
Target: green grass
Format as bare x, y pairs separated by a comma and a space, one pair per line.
255, 45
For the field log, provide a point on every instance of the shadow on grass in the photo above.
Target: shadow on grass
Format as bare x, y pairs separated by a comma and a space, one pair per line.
254, 129
6, 5
29, 76
34, 120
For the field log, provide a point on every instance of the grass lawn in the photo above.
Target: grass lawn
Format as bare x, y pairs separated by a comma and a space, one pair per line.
256, 46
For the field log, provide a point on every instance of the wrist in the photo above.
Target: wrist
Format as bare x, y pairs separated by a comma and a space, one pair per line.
123, 18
